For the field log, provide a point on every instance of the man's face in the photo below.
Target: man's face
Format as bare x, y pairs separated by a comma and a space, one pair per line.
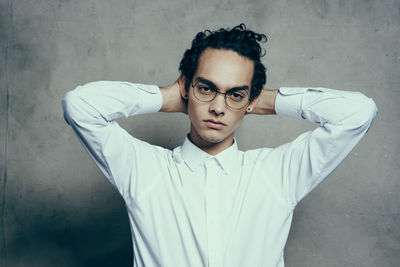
214, 122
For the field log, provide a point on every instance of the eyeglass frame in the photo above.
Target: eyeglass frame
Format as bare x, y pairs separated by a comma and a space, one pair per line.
218, 92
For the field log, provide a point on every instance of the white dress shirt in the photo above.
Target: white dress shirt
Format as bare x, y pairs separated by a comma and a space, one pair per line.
188, 208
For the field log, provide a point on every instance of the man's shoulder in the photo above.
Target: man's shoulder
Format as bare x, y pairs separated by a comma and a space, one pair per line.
145, 148
256, 153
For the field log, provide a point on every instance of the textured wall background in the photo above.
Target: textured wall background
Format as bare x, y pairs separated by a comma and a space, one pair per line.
56, 207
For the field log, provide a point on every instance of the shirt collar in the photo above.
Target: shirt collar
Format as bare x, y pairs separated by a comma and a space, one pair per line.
195, 157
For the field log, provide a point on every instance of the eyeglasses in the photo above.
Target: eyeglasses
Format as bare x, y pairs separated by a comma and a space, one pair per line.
235, 99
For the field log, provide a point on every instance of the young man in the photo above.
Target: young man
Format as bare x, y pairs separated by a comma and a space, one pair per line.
206, 203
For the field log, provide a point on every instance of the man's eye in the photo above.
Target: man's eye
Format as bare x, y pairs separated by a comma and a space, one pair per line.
205, 90
237, 96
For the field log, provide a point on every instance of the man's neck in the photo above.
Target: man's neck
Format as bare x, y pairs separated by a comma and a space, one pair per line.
209, 147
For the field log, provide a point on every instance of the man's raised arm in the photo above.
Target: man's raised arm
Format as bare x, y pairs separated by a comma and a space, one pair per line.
343, 117
92, 109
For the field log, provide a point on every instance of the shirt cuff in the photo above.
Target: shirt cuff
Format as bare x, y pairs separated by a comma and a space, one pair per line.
289, 100
151, 98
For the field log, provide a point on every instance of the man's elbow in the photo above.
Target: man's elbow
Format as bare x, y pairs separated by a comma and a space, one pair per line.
368, 113
69, 105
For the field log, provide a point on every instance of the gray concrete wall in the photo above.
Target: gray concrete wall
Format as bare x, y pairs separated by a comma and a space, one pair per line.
56, 207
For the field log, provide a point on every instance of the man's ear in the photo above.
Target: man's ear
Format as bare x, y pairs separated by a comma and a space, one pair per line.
252, 104
182, 85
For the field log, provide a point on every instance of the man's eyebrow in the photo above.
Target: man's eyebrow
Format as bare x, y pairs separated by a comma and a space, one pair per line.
204, 80
211, 84
239, 88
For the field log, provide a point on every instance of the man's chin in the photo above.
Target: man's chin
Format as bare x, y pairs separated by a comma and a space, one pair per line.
208, 137
213, 138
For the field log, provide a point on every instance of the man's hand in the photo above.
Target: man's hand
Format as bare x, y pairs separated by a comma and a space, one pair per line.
172, 99
265, 102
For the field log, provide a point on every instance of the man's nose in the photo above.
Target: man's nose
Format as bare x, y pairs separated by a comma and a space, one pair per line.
218, 105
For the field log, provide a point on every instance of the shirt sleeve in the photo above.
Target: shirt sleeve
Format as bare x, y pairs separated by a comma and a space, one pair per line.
343, 117
92, 109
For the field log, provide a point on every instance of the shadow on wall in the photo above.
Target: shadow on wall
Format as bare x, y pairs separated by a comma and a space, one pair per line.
64, 239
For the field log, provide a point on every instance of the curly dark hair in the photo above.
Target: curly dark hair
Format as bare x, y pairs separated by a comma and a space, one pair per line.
239, 39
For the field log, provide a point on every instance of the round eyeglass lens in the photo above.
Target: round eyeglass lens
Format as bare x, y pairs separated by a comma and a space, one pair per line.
204, 92
238, 99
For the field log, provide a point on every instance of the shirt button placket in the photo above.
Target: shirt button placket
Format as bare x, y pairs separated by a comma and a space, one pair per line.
213, 227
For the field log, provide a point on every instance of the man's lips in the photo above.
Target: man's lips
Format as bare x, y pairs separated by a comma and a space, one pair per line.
214, 124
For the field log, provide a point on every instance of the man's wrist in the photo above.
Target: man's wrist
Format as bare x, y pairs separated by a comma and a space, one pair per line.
172, 100
289, 101
266, 102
